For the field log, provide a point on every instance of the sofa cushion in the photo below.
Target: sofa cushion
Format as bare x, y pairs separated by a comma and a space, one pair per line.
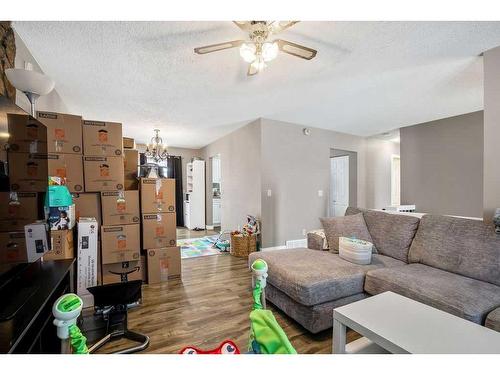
311, 277
493, 320
354, 210
313, 318
468, 247
459, 295
392, 233
344, 226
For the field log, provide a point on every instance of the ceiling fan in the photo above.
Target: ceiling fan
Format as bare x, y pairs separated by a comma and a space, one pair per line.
260, 49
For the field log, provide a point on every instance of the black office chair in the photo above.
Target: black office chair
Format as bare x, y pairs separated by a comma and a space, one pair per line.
111, 303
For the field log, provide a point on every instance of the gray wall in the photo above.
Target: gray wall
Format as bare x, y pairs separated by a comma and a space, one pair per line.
442, 165
186, 155
240, 154
491, 182
294, 168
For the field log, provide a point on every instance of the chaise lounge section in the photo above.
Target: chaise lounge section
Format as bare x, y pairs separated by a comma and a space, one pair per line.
450, 263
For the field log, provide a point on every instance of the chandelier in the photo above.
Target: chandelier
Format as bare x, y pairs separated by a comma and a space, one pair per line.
156, 149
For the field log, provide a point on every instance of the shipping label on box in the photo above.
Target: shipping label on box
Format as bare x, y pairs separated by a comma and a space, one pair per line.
28, 172
13, 247
102, 138
159, 230
128, 143
120, 243
163, 264
87, 205
64, 132
103, 173
26, 134
69, 167
62, 246
120, 207
86, 259
157, 195
17, 210
121, 272
37, 241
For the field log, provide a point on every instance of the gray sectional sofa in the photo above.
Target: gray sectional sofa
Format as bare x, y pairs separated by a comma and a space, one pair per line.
450, 263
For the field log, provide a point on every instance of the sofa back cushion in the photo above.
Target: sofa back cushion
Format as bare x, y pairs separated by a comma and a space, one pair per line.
462, 246
354, 210
344, 226
392, 234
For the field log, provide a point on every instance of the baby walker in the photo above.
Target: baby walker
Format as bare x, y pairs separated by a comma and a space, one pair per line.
266, 335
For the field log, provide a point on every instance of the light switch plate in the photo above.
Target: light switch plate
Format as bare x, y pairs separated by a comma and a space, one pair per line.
269, 192
320, 193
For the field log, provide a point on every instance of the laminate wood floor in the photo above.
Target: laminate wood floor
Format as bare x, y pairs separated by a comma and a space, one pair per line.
209, 305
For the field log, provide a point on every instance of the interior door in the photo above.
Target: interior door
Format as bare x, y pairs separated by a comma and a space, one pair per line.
339, 185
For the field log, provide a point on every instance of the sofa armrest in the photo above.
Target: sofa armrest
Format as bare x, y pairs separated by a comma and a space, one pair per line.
493, 320
316, 241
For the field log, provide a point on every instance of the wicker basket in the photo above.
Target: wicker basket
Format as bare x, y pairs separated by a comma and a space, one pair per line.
242, 246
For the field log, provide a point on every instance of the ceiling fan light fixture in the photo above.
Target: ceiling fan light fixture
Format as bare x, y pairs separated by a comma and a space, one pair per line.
259, 64
247, 52
270, 51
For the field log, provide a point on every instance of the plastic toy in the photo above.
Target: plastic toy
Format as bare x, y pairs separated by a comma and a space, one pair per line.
66, 311
226, 347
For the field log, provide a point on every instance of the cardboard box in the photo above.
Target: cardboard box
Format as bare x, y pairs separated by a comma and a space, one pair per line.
86, 274
87, 205
128, 142
120, 243
28, 172
68, 166
163, 264
103, 173
102, 138
37, 240
159, 230
130, 166
144, 268
13, 247
157, 195
120, 207
120, 272
64, 132
16, 214
62, 246
26, 134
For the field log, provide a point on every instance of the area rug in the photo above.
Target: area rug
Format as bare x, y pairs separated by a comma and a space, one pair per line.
198, 247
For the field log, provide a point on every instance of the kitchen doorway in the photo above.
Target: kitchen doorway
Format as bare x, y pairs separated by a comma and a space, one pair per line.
343, 181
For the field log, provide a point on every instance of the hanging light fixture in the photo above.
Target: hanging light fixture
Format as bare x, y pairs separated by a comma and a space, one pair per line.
156, 149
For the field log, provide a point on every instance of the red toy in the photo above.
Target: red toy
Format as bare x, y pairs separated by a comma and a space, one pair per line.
227, 347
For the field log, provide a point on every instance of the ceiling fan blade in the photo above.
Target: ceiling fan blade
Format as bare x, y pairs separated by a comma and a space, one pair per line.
279, 26
243, 25
252, 70
218, 47
295, 49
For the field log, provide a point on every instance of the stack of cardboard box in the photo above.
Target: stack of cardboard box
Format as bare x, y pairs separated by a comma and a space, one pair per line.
159, 238
64, 159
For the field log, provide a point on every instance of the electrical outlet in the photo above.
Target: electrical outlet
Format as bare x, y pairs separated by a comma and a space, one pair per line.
320, 193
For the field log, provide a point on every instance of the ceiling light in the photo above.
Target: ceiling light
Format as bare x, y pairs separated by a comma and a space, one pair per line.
259, 64
247, 51
269, 51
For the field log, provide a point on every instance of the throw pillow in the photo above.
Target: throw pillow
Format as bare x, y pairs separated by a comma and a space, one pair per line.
345, 226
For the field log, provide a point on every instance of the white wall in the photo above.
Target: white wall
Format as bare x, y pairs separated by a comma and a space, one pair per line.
51, 102
378, 172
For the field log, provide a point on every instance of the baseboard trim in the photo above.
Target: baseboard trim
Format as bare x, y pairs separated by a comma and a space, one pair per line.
273, 248
210, 227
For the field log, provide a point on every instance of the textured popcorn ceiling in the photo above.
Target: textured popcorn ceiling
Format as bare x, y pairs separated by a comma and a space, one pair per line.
368, 77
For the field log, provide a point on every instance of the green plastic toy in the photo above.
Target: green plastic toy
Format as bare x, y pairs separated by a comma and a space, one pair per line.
266, 335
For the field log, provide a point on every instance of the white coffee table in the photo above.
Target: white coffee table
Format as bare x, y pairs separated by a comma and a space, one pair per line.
396, 324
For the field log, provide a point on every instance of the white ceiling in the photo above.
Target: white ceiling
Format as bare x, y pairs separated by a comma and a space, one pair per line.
368, 77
